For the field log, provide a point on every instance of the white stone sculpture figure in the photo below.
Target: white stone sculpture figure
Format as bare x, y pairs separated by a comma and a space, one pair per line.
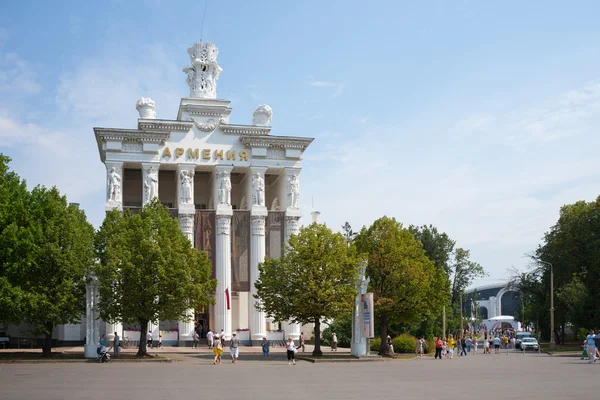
262, 115
275, 206
114, 185
186, 187
151, 184
202, 75
358, 341
146, 107
258, 187
294, 192
224, 188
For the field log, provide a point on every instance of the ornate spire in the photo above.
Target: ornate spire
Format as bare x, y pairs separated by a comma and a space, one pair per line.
204, 71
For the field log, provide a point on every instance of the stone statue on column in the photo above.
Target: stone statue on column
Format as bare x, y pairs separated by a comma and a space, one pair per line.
294, 192
224, 188
151, 185
114, 185
258, 187
186, 187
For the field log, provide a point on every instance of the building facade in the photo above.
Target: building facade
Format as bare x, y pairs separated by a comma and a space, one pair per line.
491, 301
234, 189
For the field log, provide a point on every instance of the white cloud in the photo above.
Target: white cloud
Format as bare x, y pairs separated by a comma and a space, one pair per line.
339, 86
17, 76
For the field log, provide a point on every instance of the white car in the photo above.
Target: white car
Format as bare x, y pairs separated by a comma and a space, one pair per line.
529, 343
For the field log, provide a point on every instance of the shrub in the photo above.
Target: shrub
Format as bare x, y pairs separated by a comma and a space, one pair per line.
404, 343
342, 328
375, 344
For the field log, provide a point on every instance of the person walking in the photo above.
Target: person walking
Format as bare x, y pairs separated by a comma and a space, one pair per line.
463, 346
196, 338
291, 351
301, 344
117, 344
469, 342
209, 338
475, 345
497, 345
334, 342
266, 347
234, 348
438, 348
217, 350
591, 346
451, 344
149, 339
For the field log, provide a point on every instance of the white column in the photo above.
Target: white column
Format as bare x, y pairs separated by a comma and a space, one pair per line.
111, 328
92, 331
224, 212
149, 181
255, 192
114, 185
186, 328
292, 227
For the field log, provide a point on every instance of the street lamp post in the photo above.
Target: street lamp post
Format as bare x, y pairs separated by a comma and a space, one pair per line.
552, 344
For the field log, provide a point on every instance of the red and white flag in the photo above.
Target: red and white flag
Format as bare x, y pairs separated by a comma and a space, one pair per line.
227, 299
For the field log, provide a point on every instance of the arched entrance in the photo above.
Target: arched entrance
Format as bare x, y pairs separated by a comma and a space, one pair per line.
483, 313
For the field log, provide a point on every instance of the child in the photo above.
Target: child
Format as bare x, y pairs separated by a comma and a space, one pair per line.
217, 350
266, 346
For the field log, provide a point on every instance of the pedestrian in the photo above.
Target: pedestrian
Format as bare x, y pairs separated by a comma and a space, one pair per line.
334, 342
451, 344
505, 340
301, 345
469, 343
149, 339
390, 346
233, 348
117, 343
159, 340
209, 338
513, 343
217, 350
196, 339
497, 345
591, 346
291, 351
444, 348
463, 346
438, 348
486, 346
475, 345
222, 337
266, 347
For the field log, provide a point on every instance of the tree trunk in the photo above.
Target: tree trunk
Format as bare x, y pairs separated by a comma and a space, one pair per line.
142, 349
317, 350
47, 347
383, 347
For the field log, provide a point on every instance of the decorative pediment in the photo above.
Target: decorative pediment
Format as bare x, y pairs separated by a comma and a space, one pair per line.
245, 130
276, 141
164, 125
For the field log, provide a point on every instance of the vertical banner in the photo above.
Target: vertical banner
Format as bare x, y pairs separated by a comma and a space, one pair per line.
204, 236
367, 316
240, 251
227, 300
274, 234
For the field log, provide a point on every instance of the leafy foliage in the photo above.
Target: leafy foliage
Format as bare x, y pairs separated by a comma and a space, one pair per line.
46, 246
406, 285
343, 329
313, 280
148, 270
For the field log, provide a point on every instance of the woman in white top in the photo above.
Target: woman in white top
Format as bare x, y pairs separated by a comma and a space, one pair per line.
291, 351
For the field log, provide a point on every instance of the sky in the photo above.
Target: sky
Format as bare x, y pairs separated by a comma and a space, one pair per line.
481, 119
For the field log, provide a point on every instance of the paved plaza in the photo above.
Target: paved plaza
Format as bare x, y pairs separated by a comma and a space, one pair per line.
503, 376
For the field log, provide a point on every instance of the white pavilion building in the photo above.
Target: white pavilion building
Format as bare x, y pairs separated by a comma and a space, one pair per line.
234, 189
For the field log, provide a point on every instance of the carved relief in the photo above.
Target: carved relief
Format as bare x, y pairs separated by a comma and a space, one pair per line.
258, 225
133, 147
202, 75
186, 223
294, 192
258, 190
262, 115
275, 152
210, 125
114, 185
224, 188
187, 196
292, 227
223, 224
275, 205
244, 204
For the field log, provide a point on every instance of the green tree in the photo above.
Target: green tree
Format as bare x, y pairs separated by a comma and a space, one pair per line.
342, 327
348, 233
148, 270
314, 279
406, 285
47, 246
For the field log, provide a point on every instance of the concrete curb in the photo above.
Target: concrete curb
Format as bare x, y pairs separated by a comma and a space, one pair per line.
81, 361
340, 360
